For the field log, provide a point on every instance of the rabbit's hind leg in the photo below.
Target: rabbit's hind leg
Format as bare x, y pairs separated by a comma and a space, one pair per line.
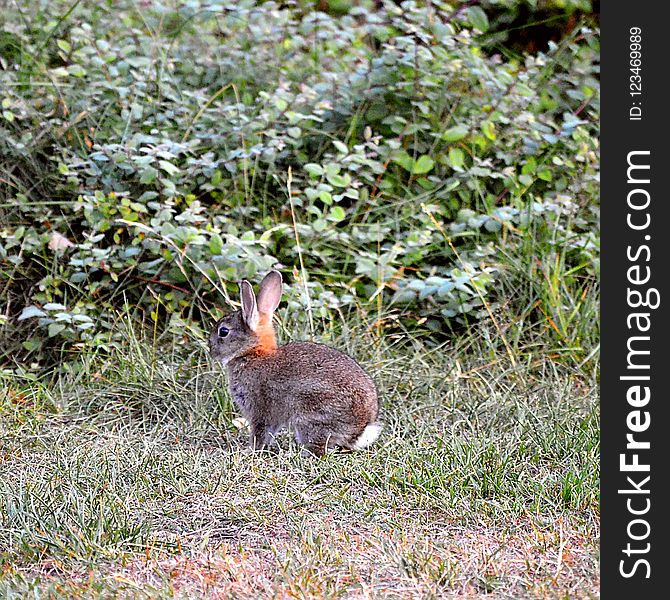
263, 437
317, 441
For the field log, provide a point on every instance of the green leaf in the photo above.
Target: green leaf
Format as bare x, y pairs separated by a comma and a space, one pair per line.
464, 214
319, 225
453, 134
76, 70
339, 180
332, 169
422, 165
148, 175
215, 244
168, 167
404, 160
456, 158
54, 306
530, 166
31, 345
313, 169
492, 225
405, 295
524, 90
55, 328
478, 18
544, 174
341, 148
336, 213
489, 130
31, 311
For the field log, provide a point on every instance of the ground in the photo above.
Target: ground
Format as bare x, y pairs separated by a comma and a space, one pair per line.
131, 477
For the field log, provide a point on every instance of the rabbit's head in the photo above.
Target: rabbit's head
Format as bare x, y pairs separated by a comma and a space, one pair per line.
249, 329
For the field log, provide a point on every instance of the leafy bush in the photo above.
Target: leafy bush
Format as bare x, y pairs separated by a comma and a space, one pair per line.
152, 155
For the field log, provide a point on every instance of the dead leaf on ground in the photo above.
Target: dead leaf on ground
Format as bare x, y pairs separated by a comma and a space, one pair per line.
59, 243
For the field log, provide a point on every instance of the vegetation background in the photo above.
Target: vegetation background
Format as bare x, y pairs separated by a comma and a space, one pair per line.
426, 177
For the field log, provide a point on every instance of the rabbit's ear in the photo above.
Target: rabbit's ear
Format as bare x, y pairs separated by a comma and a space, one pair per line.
249, 309
269, 294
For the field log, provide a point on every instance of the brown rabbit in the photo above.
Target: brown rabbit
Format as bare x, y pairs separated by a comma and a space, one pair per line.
323, 395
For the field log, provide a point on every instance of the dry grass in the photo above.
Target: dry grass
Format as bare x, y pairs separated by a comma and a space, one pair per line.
529, 559
130, 479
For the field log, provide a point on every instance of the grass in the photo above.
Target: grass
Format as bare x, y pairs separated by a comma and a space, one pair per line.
125, 472
130, 477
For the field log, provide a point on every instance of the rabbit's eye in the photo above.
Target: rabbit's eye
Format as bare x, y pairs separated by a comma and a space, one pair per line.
223, 331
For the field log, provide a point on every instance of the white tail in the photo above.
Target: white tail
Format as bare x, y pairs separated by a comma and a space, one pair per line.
369, 436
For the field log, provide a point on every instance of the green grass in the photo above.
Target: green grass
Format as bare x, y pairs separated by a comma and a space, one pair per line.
124, 470
129, 477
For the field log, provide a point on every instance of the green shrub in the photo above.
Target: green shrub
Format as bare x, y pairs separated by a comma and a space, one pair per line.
152, 156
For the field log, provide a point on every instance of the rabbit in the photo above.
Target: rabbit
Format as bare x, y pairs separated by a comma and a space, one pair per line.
320, 393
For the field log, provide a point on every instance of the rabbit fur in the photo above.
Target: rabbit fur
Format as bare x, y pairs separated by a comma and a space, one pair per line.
320, 393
